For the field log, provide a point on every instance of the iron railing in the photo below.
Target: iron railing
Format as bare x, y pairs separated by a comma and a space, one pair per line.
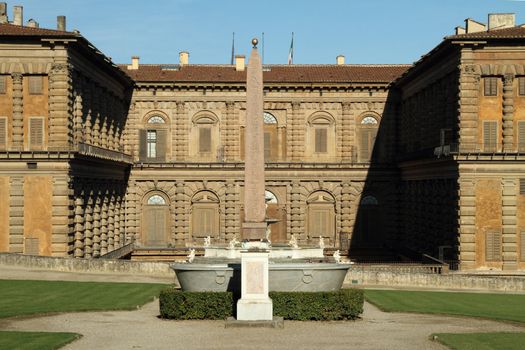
103, 153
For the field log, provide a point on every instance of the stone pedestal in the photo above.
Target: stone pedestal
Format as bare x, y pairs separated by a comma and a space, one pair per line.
255, 304
253, 230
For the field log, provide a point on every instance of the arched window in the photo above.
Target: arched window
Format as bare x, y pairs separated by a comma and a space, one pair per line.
155, 221
321, 136
271, 139
276, 213
369, 200
205, 137
269, 118
321, 216
204, 215
153, 139
367, 137
270, 197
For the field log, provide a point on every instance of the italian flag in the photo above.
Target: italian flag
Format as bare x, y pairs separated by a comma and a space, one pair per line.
290, 53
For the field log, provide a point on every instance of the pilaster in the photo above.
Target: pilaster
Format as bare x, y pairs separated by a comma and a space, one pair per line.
509, 223
508, 113
18, 112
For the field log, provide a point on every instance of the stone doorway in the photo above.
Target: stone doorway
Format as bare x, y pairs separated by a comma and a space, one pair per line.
155, 222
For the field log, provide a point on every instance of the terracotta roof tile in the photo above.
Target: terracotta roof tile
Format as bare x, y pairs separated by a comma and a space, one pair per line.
272, 73
14, 30
506, 33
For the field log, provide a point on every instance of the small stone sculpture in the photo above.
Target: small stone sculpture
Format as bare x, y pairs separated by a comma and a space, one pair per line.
268, 234
233, 243
293, 242
191, 255
207, 241
337, 256
321, 242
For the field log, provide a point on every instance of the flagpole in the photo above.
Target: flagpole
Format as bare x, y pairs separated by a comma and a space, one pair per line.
262, 47
290, 53
233, 48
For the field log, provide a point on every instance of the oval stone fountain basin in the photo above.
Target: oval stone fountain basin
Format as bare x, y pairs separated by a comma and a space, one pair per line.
284, 277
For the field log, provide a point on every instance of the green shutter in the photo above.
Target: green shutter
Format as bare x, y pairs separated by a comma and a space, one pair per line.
3, 132
36, 83
36, 133
521, 82
490, 136
162, 137
493, 245
143, 145
3, 84
521, 136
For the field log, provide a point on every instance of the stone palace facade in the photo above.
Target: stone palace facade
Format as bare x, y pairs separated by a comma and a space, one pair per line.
379, 160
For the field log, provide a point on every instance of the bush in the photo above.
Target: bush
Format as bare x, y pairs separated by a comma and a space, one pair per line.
345, 304
179, 305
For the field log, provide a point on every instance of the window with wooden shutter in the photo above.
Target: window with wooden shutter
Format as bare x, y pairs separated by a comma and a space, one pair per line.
3, 84
36, 132
521, 87
491, 86
3, 132
152, 144
204, 139
522, 245
521, 136
490, 136
522, 186
162, 138
321, 140
493, 245
143, 145
36, 84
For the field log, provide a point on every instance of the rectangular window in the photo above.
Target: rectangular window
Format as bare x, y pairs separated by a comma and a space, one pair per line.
521, 87
204, 140
522, 187
490, 136
493, 245
36, 84
521, 136
3, 84
151, 142
3, 132
267, 146
321, 140
491, 86
36, 132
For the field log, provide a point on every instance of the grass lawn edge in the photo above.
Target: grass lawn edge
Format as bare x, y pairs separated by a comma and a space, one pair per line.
69, 337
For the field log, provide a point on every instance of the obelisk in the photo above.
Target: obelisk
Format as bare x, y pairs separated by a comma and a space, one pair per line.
254, 225
255, 304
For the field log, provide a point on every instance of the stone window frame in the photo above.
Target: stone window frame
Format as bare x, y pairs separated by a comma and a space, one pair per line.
201, 120
315, 202
209, 200
319, 121
31, 81
4, 124
365, 123
145, 203
490, 146
3, 84
41, 145
158, 122
490, 86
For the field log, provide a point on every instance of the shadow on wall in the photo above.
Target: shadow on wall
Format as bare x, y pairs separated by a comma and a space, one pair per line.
406, 209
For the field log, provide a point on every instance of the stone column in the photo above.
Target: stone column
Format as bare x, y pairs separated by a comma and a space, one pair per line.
16, 214
88, 223
60, 105
229, 143
508, 113
468, 107
117, 237
346, 216
111, 221
297, 133
296, 210
96, 224
96, 116
254, 226
18, 112
78, 111
231, 213
180, 215
79, 224
104, 223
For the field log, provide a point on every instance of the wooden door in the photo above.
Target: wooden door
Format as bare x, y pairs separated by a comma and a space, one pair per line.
155, 227
278, 229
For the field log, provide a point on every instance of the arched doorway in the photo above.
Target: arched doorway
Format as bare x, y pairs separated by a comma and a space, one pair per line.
321, 217
276, 211
155, 221
204, 216
368, 228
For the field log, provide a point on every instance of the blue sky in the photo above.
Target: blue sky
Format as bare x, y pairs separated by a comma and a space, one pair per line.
365, 31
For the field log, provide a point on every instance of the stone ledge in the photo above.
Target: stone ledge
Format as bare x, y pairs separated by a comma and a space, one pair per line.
277, 322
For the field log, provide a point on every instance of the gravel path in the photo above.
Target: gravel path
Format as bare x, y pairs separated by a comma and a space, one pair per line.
142, 329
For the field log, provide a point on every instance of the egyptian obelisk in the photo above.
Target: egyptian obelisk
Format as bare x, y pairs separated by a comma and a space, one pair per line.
255, 304
254, 225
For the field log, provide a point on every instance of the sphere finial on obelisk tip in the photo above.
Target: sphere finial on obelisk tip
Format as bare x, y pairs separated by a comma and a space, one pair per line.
255, 41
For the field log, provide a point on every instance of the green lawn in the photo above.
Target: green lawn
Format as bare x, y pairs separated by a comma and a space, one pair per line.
35, 340
507, 307
483, 341
38, 297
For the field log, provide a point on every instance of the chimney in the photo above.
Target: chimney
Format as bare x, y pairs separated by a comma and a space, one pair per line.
340, 60
134, 63
460, 30
3, 13
32, 23
239, 63
184, 57
18, 15
501, 20
61, 23
472, 26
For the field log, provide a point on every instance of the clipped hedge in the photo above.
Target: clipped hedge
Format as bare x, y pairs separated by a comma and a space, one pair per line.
345, 304
178, 305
